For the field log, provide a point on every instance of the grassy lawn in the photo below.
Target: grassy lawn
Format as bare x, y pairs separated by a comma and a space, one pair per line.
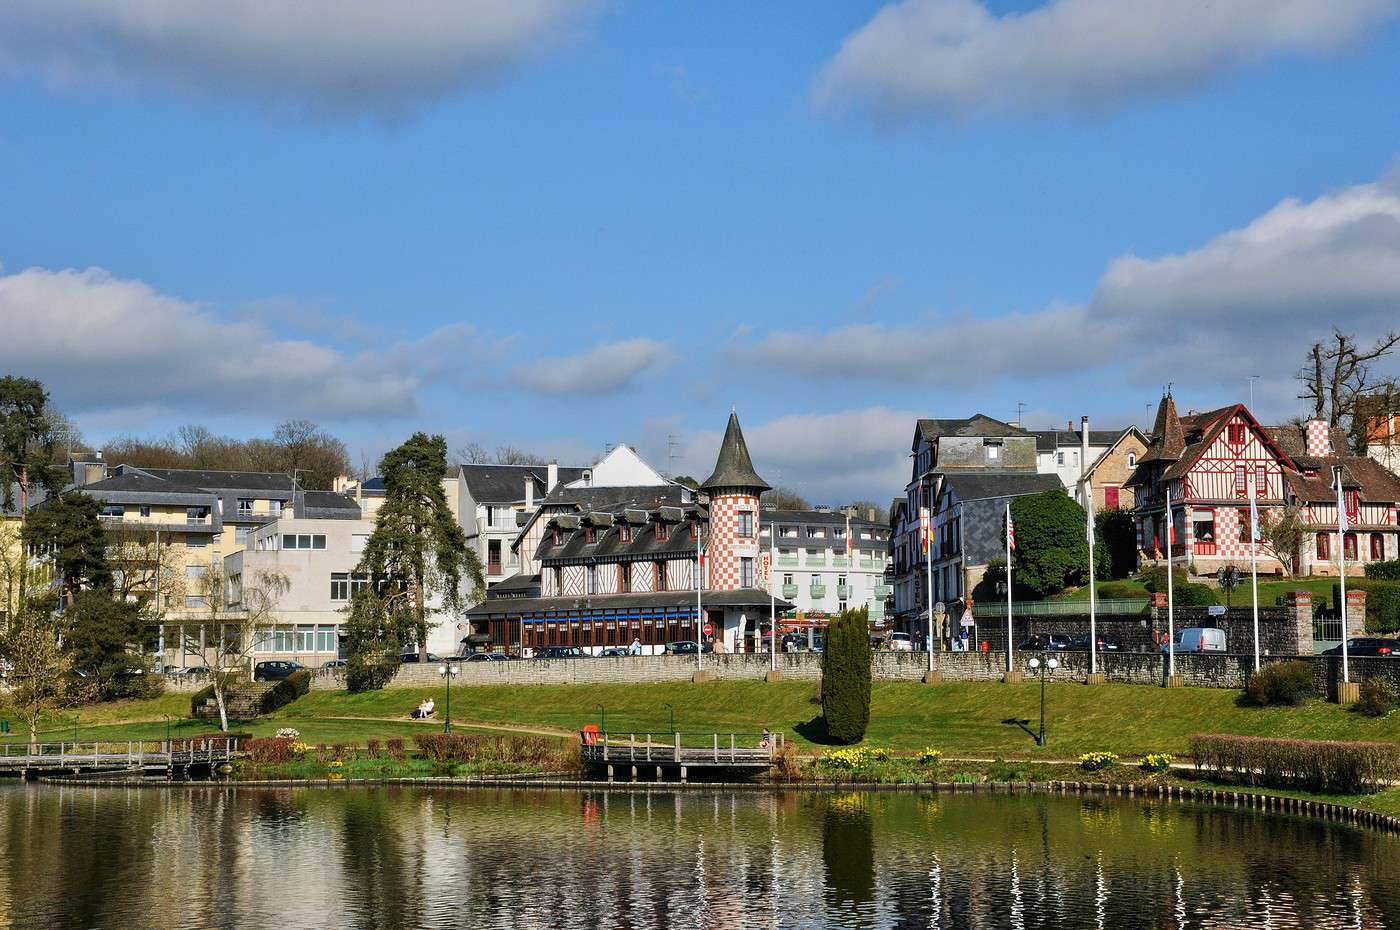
1270, 589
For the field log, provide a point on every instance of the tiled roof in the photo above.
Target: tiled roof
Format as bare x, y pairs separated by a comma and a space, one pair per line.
1168, 434
1048, 440
740, 597
733, 467
1376, 484
224, 480
973, 487
978, 424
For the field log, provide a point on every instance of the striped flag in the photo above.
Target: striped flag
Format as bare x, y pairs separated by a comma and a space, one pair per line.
1342, 525
1010, 528
924, 528
848, 534
1253, 518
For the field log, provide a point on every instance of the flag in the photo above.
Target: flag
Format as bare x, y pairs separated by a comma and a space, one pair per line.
1253, 518
1089, 520
1010, 529
1342, 525
924, 528
1171, 524
848, 534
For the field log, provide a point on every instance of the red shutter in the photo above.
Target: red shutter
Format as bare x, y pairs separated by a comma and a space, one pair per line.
1110, 498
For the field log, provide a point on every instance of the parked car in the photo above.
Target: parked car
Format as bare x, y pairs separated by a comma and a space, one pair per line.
1367, 646
1080, 643
900, 642
1199, 639
487, 657
1046, 642
334, 663
194, 670
615, 652
561, 652
409, 657
276, 670
686, 647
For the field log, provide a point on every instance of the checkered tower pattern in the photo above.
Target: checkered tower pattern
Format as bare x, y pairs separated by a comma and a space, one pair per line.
725, 548
1232, 534
1317, 437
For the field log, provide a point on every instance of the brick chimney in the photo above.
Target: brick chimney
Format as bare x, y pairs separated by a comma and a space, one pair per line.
1317, 438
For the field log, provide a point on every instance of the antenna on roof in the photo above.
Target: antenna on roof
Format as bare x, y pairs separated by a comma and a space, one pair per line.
671, 455
1252, 379
1019, 407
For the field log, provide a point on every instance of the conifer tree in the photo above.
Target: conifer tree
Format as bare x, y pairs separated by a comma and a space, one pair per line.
846, 676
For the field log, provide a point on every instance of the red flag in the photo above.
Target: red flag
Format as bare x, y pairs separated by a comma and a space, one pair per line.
1010, 529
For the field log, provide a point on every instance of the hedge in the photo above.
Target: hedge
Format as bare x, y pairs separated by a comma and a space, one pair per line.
1384, 571
285, 691
1317, 765
846, 677
1382, 602
1280, 683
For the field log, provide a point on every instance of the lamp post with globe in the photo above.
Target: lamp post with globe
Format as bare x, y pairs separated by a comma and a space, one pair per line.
1044, 668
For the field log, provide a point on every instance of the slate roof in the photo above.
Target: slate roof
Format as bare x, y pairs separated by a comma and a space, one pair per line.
224, 480
1293, 442
974, 487
505, 484
647, 497
733, 467
513, 606
1374, 482
609, 544
329, 505
824, 518
979, 424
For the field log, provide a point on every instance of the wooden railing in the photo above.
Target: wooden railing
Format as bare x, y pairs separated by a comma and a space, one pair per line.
688, 749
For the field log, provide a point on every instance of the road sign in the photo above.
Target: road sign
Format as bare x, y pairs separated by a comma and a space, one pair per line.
708, 629
1216, 610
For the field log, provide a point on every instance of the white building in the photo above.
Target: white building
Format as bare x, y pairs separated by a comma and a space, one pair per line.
813, 570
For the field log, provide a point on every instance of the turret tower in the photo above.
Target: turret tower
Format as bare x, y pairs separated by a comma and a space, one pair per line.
732, 549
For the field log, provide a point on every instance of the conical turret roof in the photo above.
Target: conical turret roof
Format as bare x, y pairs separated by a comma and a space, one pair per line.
734, 468
1168, 436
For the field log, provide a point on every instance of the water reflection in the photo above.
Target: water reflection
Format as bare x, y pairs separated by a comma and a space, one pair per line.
400, 858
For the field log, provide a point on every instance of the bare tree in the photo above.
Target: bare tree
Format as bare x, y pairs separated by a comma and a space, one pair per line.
474, 453
1339, 372
1281, 534
144, 565
784, 498
236, 613
39, 666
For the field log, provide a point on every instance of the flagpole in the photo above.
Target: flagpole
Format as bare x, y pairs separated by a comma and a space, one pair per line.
1171, 607
1093, 625
699, 607
927, 521
772, 596
1254, 564
1010, 645
1342, 567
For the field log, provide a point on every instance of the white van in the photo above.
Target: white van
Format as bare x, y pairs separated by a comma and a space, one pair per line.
900, 642
1199, 639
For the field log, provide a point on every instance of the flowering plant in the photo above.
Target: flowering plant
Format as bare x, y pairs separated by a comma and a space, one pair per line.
300, 748
1093, 761
858, 757
930, 756
288, 733
1157, 762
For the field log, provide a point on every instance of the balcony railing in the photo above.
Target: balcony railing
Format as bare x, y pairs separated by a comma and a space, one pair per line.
817, 559
817, 590
882, 590
841, 561
789, 590
787, 561
843, 591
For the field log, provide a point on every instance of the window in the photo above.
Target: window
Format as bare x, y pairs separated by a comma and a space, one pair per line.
1059, 460
694, 574
196, 572
787, 578
816, 532
196, 602
1377, 547
145, 510
1241, 474
233, 588
196, 514
1261, 481
993, 447
1245, 530
303, 541
241, 534
745, 524
746, 578
1235, 434
662, 531
358, 542
788, 532
326, 639
196, 542
554, 537
493, 556
624, 577
1324, 547
1349, 546
660, 572
841, 580
340, 586
114, 510
275, 508
624, 533
245, 506
1132, 459
592, 576
558, 581
590, 535
305, 640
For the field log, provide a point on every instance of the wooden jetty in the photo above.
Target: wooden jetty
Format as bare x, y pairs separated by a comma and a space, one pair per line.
146, 758
678, 755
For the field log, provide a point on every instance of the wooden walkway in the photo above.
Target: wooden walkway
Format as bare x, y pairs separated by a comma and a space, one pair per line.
168, 758
679, 755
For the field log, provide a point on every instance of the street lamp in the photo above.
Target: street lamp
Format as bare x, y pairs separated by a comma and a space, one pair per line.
1049, 665
602, 717
448, 671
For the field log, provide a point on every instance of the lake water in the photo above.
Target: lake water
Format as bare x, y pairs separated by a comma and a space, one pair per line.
390, 858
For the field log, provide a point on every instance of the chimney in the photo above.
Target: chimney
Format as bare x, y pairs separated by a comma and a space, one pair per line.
529, 492
1085, 490
870, 514
553, 478
98, 454
1317, 438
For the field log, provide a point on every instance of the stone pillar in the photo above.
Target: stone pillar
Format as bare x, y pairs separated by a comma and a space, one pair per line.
1301, 605
1356, 613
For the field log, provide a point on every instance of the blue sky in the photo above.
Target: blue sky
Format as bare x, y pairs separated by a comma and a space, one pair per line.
561, 224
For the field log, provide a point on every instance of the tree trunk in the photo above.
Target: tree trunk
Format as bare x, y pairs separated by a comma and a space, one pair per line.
23, 548
420, 614
219, 699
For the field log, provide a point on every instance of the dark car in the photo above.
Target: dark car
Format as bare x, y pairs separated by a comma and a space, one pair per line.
195, 670
615, 652
408, 657
560, 652
334, 663
1367, 646
487, 657
686, 647
275, 670
1080, 643
1046, 642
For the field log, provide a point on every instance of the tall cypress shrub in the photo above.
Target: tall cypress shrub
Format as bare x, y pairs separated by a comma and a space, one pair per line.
846, 677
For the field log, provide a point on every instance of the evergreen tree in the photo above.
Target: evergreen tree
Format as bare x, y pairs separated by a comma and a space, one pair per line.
846, 676
373, 643
417, 552
1051, 551
26, 440
100, 633
1118, 541
68, 529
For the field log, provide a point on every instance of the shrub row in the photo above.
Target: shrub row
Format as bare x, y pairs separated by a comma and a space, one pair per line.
1185, 593
285, 691
267, 750
1386, 571
1382, 601
476, 747
1318, 765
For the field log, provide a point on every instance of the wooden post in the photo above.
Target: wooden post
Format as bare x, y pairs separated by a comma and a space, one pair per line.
605, 751
632, 749
677, 735
648, 747
716, 747
731, 747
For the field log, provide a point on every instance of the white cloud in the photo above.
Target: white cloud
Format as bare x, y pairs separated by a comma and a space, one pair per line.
954, 57
1248, 301
104, 344
607, 369
328, 55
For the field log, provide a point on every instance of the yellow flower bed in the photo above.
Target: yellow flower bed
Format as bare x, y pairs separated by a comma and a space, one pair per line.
1093, 761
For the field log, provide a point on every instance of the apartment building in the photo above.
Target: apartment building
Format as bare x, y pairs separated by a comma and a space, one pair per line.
827, 561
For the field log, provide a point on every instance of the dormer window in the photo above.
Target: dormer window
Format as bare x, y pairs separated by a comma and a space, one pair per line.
1235, 434
554, 536
590, 535
624, 532
662, 531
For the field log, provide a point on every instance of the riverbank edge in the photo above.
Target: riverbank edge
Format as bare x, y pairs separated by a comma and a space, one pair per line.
1251, 800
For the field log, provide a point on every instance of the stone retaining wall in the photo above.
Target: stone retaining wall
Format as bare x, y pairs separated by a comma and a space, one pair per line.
1209, 670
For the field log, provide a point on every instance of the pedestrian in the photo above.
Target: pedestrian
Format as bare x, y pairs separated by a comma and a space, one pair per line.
636, 649
962, 640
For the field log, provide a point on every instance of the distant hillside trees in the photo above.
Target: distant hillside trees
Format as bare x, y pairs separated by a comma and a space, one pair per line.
296, 446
